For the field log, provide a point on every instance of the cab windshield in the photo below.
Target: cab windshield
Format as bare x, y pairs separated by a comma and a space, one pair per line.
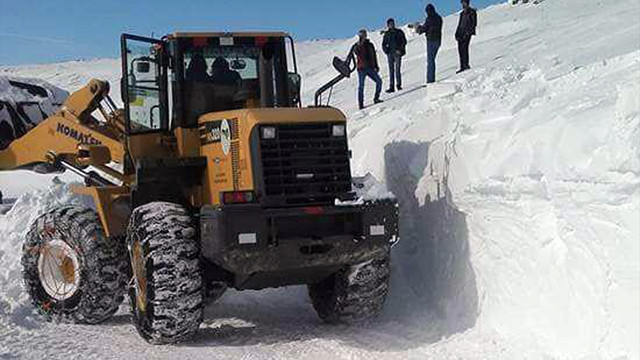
233, 73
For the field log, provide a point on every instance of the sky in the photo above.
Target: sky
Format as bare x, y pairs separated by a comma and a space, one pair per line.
45, 31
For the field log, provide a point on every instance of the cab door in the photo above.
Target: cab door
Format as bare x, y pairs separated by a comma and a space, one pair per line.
144, 84
144, 94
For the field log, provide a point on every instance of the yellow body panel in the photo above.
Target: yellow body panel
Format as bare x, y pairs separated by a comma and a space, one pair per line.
187, 142
151, 145
229, 163
180, 143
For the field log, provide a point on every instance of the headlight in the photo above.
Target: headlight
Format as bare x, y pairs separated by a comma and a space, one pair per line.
268, 132
338, 130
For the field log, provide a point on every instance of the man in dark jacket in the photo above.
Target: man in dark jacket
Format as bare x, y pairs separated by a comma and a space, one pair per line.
466, 29
367, 65
432, 28
394, 44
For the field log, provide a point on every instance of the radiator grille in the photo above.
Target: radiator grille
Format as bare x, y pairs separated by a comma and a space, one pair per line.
305, 164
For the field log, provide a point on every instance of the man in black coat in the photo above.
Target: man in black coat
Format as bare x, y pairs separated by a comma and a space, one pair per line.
432, 28
364, 54
394, 44
466, 29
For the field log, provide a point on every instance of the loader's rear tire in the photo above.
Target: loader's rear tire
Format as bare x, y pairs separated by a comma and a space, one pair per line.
354, 293
167, 290
70, 270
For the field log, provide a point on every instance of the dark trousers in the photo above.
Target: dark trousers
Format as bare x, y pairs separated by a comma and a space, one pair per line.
362, 75
395, 70
463, 51
432, 52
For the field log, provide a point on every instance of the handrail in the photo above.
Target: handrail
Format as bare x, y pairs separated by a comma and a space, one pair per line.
326, 87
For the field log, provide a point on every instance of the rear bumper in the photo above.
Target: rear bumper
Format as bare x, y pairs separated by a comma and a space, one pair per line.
277, 247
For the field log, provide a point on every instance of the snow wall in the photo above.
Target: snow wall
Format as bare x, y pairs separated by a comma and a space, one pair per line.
518, 183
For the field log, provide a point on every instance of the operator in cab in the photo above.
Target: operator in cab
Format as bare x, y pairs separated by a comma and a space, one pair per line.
221, 73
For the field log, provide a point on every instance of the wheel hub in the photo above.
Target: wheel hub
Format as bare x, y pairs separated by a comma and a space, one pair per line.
59, 269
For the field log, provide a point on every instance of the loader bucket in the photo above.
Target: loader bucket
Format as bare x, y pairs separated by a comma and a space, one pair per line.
24, 103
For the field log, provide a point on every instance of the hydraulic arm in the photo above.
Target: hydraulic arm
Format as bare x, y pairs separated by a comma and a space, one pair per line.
72, 135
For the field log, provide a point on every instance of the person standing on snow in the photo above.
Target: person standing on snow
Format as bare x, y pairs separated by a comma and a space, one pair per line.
466, 29
367, 65
394, 44
432, 28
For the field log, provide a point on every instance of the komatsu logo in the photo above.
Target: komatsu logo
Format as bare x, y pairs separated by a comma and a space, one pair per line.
85, 139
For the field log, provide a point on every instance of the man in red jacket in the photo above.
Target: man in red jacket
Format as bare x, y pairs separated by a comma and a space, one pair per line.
367, 65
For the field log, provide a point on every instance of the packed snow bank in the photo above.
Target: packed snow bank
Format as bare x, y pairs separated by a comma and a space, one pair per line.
19, 89
519, 180
13, 184
519, 187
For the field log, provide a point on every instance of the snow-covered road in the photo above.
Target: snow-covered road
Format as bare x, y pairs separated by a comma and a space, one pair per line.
519, 185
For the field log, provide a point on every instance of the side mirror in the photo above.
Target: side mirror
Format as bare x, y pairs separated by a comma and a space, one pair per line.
143, 67
342, 67
238, 64
295, 84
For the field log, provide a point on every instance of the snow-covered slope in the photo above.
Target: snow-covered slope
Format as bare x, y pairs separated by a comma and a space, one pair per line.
519, 184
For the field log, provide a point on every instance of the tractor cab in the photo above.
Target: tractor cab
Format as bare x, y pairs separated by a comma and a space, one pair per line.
171, 82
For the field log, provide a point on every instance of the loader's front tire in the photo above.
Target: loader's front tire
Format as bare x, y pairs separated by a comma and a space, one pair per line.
167, 291
71, 271
354, 293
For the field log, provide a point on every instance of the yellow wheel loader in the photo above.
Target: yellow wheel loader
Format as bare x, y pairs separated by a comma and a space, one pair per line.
212, 176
